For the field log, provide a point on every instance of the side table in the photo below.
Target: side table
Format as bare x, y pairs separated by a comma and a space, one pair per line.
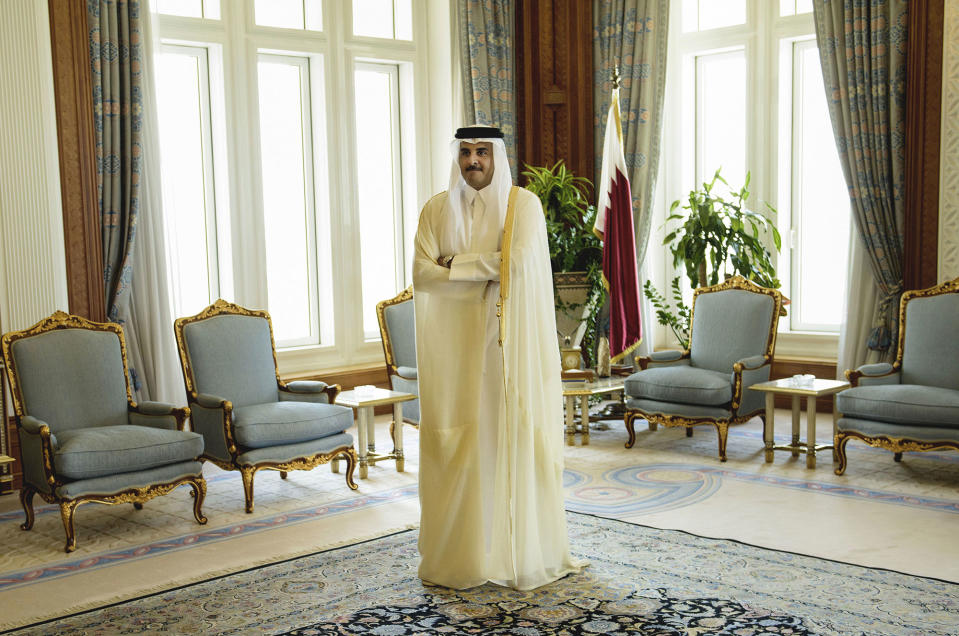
787, 386
363, 404
573, 389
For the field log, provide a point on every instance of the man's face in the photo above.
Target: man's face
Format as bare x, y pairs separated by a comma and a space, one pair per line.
476, 163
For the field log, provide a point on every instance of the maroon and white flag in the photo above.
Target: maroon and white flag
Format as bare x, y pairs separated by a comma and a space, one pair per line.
614, 225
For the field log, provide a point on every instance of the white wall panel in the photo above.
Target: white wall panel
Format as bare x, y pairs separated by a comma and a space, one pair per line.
33, 281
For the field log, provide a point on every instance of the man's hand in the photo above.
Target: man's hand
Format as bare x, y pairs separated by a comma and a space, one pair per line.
445, 261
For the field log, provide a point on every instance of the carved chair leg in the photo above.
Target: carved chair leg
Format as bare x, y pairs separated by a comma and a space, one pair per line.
723, 431
839, 443
67, 510
629, 420
350, 456
247, 472
897, 457
653, 426
26, 500
137, 505
689, 431
393, 433
282, 474
198, 491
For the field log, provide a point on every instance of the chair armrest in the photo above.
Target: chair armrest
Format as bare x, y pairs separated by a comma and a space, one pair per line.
662, 357
213, 402
750, 364
407, 373
212, 417
159, 415
873, 374
747, 372
308, 391
38, 446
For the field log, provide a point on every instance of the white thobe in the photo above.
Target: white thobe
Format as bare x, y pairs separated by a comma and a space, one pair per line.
490, 442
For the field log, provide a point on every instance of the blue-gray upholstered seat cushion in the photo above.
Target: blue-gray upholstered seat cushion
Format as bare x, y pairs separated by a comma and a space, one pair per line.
688, 385
908, 404
273, 423
85, 453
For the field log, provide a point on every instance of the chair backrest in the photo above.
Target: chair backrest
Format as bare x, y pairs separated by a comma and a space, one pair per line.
929, 338
398, 330
733, 320
227, 351
69, 372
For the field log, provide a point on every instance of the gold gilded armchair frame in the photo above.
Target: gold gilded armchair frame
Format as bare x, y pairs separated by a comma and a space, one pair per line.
137, 496
222, 308
722, 424
898, 445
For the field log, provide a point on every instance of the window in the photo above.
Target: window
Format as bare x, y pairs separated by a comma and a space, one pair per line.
749, 97
186, 150
279, 107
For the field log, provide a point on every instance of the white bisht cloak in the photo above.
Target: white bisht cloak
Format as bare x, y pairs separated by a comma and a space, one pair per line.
491, 470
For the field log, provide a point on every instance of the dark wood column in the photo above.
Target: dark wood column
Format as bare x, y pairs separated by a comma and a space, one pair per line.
923, 106
72, 85
554, 84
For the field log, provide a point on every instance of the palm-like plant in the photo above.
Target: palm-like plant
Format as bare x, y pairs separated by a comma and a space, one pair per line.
569, 217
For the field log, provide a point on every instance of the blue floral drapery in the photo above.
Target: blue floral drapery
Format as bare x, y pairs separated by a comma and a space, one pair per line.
116, 55
632, 34
486, 31
862, 48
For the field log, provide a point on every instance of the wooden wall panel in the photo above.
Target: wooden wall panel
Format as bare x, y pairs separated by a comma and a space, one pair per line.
554, 84
923, 106
72, 85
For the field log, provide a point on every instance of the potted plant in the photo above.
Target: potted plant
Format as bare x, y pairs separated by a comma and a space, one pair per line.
575, 253
716, 235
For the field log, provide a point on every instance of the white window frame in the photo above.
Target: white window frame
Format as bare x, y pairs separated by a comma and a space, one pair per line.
333, 53
760, 36
202, 56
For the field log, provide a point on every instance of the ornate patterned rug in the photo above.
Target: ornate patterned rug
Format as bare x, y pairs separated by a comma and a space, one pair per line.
640, 580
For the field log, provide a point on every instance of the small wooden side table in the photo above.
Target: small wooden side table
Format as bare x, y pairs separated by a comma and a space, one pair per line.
581, 389
363, 404
815, 389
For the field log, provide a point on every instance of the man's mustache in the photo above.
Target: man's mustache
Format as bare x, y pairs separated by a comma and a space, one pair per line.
471, 168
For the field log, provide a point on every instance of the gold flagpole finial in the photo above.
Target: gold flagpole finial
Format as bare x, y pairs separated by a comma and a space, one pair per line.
615, 77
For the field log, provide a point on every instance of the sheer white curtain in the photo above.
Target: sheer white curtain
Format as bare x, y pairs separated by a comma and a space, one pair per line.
151, 317
861, 296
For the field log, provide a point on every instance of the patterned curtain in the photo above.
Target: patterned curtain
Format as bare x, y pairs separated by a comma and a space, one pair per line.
116, 55
486, 31
631, 34
862, 46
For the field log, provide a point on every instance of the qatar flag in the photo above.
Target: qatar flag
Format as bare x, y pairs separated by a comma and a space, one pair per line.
614, 225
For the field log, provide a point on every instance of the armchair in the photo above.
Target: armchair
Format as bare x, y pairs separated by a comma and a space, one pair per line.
911, 404
732, 338
250, 419
82, 437
398, 334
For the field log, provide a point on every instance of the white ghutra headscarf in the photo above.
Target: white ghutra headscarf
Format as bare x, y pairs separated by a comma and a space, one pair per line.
499, 186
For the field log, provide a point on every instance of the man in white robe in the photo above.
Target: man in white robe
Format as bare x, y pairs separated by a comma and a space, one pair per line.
491, 433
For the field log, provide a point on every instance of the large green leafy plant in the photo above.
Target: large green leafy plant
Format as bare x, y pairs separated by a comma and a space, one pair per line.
573, 247
718, 235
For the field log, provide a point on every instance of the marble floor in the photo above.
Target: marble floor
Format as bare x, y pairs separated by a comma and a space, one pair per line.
900, 516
